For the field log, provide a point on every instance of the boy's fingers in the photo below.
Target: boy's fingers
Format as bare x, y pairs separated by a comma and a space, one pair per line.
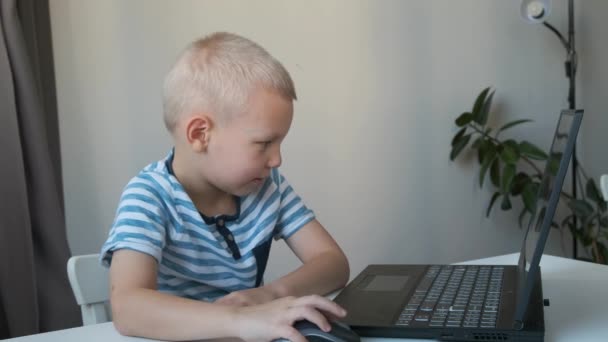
323, 304
330, 316
310, 314
293, 335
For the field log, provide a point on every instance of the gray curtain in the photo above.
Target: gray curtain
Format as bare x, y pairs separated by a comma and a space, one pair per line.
35, 295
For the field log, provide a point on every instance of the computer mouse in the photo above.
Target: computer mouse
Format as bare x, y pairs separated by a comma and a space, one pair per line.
339, 332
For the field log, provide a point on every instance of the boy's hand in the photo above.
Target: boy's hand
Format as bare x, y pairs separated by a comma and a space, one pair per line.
273, 320
259, 295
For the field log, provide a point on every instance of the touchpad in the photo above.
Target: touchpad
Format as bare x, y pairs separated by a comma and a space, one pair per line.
384, 283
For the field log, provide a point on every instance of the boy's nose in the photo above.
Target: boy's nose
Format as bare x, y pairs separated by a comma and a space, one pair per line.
275, 159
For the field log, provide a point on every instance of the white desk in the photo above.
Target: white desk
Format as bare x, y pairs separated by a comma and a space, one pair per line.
578, 292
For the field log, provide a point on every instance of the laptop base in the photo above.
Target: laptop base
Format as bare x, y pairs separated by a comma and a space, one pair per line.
373, 322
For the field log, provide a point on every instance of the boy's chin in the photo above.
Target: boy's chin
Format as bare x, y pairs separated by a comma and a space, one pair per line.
248, 188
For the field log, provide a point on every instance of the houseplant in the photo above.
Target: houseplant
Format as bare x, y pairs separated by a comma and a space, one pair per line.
514, 169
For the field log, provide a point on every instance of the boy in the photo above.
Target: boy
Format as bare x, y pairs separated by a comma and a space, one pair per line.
192, 233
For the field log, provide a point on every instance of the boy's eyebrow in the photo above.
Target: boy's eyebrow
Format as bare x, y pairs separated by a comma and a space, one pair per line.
270, 137
260, 134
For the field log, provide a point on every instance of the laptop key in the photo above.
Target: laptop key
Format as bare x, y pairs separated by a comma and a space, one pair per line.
442, 307
411, 307
474, 308
422, 317
427, 306
458, 308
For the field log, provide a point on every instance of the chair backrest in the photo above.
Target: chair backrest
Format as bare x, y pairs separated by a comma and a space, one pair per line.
90, 283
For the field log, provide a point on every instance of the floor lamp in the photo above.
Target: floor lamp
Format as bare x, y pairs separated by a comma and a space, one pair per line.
536, 11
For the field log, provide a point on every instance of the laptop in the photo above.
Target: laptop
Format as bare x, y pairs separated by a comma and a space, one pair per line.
467, 302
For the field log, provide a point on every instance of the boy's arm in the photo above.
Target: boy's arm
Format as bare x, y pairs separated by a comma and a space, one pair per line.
325, 266
138, 309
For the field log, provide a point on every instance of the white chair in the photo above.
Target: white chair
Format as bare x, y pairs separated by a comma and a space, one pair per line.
89, 281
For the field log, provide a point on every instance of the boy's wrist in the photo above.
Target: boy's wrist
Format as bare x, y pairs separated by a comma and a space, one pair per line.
277, 289
238, 319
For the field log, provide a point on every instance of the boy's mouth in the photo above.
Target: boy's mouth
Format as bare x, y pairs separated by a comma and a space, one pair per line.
259, 179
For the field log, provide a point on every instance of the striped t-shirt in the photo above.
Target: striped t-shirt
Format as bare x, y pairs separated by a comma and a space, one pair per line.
202, 257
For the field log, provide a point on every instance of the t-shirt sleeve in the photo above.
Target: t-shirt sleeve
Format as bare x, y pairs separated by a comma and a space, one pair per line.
140, 221
293, 213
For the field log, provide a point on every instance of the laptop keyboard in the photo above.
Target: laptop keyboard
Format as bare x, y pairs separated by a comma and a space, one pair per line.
455, 296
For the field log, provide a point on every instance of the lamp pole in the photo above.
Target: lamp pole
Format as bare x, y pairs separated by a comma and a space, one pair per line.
571, 66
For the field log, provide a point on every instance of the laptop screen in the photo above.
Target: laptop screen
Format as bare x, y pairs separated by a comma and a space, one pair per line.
547, 199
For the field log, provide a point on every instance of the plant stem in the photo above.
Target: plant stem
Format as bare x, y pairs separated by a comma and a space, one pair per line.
498, 142
596, 253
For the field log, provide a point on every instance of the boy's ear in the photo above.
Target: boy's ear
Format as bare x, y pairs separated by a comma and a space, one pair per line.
198, 130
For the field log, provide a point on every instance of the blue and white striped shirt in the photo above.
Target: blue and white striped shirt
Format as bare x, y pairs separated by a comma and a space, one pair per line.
202, 257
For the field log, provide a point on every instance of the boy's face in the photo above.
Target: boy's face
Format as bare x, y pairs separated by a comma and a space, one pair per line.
242, 151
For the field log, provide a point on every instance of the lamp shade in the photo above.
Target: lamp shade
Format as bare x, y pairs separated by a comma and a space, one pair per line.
535, 11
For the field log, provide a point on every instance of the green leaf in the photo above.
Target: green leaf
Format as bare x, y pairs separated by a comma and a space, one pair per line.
513, 123
594, 193
589, 221
488, 158
495, 172
509, 155
506, 203
512, 144
586, 240
529, 195
494, 197
477, 143
520, 180
532, 151
508, 172
464, 119
460, 145
458, 136
479, 102
581, 208
482, 117
486, 146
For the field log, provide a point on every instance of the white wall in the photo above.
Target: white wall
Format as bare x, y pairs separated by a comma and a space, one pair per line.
593, 48
379, 82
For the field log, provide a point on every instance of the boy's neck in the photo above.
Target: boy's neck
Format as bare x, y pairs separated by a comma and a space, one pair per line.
207, 198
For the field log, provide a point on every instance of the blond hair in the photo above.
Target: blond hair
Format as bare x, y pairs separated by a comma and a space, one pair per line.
217, 73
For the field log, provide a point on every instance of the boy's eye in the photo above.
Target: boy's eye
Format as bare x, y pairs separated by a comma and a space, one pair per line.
265, 144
